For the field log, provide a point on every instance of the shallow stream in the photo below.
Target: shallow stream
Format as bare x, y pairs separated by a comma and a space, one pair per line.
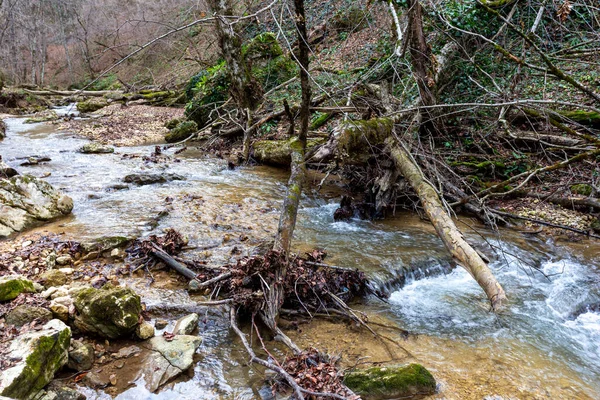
536, 349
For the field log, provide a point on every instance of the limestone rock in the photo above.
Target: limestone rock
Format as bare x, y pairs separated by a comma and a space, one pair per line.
53, 277
380, 383
81, 356
13, 285
144, 331
26, 201
96, 148
186, 325
108, 312
41, 354
25, 313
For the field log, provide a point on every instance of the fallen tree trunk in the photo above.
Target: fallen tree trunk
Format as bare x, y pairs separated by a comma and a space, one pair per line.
84, 93
446, 229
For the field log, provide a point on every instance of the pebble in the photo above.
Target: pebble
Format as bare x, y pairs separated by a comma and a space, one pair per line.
26, 243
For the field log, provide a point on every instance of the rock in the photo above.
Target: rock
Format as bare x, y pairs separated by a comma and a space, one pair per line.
24, 314
186, 325
149, 179
6, 171
168, 359
64, 393
35, 160
105, 243
279, 152
60, 311
391, 382
2, 129
13, 285
42, 116
161, 323
96, 148
81, 356
91, 105
26, 201
181, 132
64, 260
144, 330
109, 312
53, 277
172, 123
41, 354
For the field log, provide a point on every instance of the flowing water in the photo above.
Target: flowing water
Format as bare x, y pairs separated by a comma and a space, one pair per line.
541, 347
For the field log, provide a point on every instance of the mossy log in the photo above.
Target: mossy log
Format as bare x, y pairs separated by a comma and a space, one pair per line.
446, 229
279, 152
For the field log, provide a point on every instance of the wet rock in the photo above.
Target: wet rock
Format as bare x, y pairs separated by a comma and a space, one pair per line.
25, 313
81, 356
186, 325
55, 392
96, 148
13, 285
144, 330
42, 116
27, 201
182, 131
53, 277
168, 359
40, 354
149, 179
35, 160
91, 105
161, 323
2, 129
6, 171
108, 312
379, 383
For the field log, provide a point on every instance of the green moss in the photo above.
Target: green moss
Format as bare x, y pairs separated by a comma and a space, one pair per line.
320, 120
210, 89
181, 132
582, 189
264, 45
387, 383
275, 71
278, 152
91, 105
582, 117
357, 137
12, 286
173, 123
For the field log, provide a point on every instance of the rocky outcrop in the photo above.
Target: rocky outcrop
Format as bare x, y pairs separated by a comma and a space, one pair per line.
40, 354
13, 285
380, 383
109, 312
150, 179
26, 201
25, 313
96, 148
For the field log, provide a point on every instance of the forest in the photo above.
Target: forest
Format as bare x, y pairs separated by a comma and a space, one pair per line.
273, 199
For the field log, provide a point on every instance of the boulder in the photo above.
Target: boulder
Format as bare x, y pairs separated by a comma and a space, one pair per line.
181, 132
279, 152
81, 356
186, 325
145, 330
379, 383
42, 116
26, 201
96, 148
149, 179
13, 285
40, 354
109, 312
91, 105
25, 313
53, 277
6, 171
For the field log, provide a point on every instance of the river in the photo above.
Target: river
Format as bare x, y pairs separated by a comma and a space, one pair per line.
536, 349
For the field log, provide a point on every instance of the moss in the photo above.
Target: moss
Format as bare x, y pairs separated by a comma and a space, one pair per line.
275, 71
351, 19
264, 45
91, 105
596, 225
582, 117
43, 116
320, 120
357, 137
181, 132
278, 152
173, 123
12, 286
582, 189
387, 383
210, 89
151, 95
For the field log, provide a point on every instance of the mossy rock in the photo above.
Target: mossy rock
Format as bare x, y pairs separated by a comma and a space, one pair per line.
411, 381
41, 354
25, 313
279, 152
2, 129
275, 71
351, 19
358, 137
181, 132
110, 312
53, 277
582, 189
42, 116
96, 148
91, 105
170, 124
13, 285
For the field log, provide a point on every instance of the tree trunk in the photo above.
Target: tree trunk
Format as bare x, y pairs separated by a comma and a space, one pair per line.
446, 229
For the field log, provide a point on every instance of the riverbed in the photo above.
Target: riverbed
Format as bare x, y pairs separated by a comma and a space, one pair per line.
539, 348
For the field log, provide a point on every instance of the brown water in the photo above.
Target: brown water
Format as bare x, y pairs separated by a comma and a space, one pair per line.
533, 351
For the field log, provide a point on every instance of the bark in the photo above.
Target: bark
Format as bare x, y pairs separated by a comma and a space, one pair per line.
421, 57
446, 229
